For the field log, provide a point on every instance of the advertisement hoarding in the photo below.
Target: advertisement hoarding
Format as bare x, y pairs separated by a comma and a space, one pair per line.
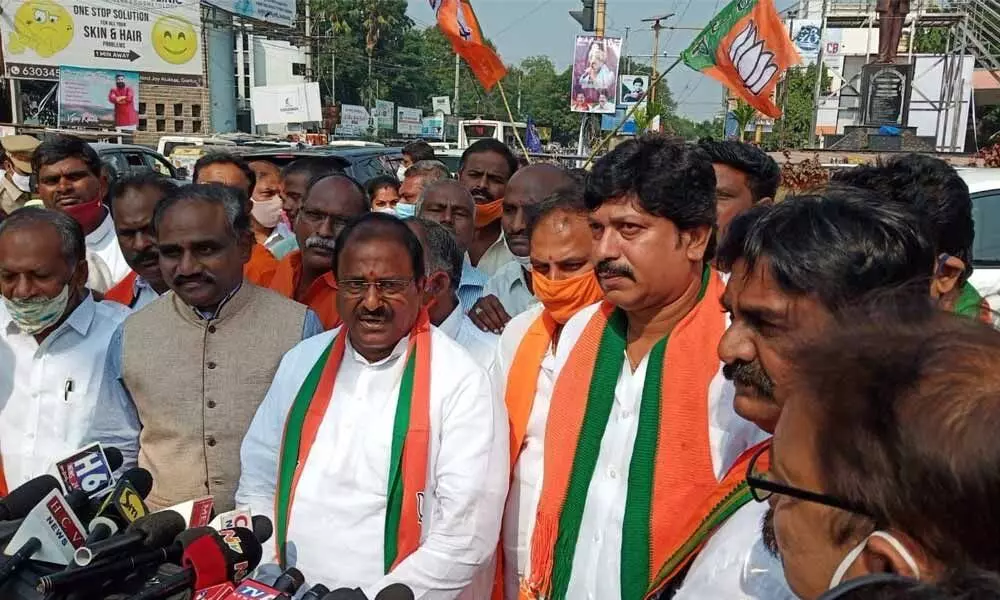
433, 128
385, 113
93, 98
354, 120
295, 103
279, 12
441, 104
632, 89
595, 74
409, 121
158, 38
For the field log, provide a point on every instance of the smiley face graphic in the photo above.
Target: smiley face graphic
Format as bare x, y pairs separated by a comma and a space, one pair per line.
42, 26
174, 40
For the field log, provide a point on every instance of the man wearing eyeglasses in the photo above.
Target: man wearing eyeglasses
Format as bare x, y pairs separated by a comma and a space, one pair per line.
380, 452
306, 275
794, 266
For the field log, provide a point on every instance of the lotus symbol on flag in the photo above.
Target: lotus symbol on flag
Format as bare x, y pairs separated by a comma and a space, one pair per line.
755, 66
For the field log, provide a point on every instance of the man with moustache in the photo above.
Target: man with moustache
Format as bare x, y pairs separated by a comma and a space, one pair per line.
794, 266
133, 202
223, 334
295, 178
448, 202
71, 179
484, 169
399, 473
306, 275
640, 427
509, 292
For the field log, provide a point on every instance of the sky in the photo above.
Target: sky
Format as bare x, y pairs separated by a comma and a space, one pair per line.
523, 28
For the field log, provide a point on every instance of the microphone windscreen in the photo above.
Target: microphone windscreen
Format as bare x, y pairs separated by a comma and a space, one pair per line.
290, 581
80, 503
242, 550
316, 592
395, 591
19, 502
263, 529
160, 528
345, 594
141, 480
115, 458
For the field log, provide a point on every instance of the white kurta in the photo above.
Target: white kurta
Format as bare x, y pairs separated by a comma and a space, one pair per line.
103, 242
596, 571
49, 391
338, 517
481, 345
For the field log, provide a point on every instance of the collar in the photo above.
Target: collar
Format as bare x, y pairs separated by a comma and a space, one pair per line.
280, 233
453, 323
141, 284
79, 320
519, 280
471, 276
500, 240
207, 316
106, 228
398, 350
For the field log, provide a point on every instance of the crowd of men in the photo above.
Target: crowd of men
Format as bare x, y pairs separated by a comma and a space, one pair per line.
646, 380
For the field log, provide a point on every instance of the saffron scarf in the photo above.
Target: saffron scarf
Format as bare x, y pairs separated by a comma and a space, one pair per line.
522, 382
408, 455
972, 305
671, 481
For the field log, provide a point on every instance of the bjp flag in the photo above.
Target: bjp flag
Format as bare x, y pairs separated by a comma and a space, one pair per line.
746, 48
459, 24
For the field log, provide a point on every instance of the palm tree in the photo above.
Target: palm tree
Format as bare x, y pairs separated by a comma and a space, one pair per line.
744, 114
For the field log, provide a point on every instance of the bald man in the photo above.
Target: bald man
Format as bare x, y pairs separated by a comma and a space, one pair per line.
508, 293
448, 202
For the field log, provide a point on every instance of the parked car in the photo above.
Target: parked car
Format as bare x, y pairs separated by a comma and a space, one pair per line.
984, 187
123, 160
360, 163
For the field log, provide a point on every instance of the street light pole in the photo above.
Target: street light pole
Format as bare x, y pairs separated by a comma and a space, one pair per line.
657, 27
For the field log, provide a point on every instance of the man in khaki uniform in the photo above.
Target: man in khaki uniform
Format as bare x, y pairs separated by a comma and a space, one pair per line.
15, 186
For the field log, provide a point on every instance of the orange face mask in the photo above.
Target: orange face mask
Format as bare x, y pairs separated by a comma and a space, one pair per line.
489, 212
564, 298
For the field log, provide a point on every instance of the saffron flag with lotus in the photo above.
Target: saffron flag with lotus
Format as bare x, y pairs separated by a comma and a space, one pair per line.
459, 24
747, 48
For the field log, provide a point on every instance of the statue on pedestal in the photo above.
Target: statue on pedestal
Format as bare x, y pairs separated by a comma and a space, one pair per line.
892, 15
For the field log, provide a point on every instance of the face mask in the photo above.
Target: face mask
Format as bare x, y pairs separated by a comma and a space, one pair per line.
853, 555
566, 297
388, 210
22, 182
489, 212
401, 173
266, 212
524, 261
37, 314
404, 210
87, 213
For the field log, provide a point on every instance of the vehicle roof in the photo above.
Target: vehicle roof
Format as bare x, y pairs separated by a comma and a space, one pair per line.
980, 180
317, 151
104, 146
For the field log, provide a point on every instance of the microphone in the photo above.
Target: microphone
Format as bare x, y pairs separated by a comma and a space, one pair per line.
284, 587
262, 528
77, 501
123, 506
19, 502
152, 531
290, 581
53, 523
234, 518
345, 594
209, 561
395, 591
89, 469
316, 592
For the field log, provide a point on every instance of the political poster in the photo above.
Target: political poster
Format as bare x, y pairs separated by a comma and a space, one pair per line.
158, 38
806, 36
385, 113
354, 120
433, 128
279, 12
98, 99
409, 121
632, 89
294, 103
595, 74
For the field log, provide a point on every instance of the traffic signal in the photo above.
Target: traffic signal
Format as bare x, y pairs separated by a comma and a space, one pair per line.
585, 17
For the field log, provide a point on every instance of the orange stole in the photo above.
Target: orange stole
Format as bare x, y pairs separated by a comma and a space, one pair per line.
3, 480
261, 267
124, 291
321, 295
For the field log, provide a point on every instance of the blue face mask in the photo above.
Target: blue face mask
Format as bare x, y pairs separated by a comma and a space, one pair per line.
405, 211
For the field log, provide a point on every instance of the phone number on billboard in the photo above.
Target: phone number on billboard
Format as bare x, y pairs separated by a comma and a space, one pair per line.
33, 71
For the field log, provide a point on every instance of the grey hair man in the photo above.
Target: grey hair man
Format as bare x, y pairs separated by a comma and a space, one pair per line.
443, 261
418, 176
215, 329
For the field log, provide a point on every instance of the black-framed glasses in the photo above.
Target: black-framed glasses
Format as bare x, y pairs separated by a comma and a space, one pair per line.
762, 487
383, 287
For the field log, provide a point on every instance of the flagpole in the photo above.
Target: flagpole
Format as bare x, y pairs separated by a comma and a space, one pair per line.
628, 115
513, 123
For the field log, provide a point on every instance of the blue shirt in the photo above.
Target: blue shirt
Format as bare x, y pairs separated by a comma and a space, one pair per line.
470, 289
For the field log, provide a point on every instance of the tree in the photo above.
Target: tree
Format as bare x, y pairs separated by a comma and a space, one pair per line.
744, 114
791, 130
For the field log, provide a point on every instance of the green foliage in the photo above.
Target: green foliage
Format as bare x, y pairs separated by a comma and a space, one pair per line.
930, 40
796, 98
744, 114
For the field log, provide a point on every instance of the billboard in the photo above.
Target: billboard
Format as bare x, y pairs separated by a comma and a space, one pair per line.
384, 113
441, 104
279, 12
632, 89
294, 103
409, 121
595, 74
354, 120
433, 127
97, 98
161, 39
609, 122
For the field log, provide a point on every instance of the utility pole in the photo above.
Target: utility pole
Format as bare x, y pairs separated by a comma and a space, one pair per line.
628, 62
656, 27
458, 70
819, 77
309, 42
519, 75
599, 15
333, 66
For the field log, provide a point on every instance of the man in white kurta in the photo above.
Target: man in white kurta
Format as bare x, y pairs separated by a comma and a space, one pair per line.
337, 521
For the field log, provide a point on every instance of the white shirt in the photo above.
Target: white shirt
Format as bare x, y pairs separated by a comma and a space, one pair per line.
48, 391
338, 516
596, 570
103, 242
510, 288
734, 564
481, 345
144, 293
495, 257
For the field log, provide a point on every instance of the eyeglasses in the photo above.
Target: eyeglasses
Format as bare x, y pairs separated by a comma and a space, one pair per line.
383, 287
763, 487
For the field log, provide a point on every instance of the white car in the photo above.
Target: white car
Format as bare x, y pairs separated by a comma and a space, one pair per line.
984, 187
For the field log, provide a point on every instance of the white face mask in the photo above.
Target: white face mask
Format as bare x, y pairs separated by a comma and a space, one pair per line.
401, 173
838, 575
386, 210
23, 182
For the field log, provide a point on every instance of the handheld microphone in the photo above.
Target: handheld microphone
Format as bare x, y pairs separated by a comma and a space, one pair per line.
284, 587
77, 501
89, 469
19, 502
345, 594
123, 506
57, 530
395, 591
290, 581
241, 517
262, 528
152, 531
196, 513
316, 592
